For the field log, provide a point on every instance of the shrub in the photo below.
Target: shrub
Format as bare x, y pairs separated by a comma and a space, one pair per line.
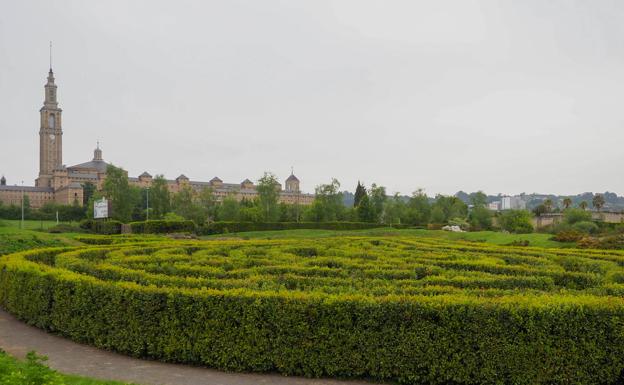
163, 227
586, 227
65, 228
516, 221
108, 226
399, 309
568, 236
573, 216
238, 227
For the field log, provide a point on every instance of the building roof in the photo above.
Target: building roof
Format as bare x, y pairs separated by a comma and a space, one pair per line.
246, 181
216, 179
26, 188
145, 175
292, 178
182, 176
98, 165
82, 175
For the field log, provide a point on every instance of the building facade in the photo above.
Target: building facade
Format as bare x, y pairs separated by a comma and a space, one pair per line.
57, 183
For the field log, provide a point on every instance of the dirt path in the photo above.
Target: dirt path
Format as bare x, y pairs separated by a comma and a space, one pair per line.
66, 356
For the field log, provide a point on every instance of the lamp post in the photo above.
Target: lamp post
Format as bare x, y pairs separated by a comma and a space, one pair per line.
147, 204
22, 222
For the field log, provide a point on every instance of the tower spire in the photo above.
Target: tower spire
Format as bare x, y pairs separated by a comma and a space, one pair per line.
50, 55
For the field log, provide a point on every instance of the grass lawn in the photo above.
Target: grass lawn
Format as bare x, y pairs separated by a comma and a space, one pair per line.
31, 225
493, 237
33, 371
14, 239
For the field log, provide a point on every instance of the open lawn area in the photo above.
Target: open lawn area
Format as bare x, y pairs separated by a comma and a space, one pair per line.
493, 237
13, 239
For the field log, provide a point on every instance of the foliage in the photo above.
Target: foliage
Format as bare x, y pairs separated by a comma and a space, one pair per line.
268, 194
586, 227
123, 197
327, 205
598, 201
480, 218
160, 199
568, 236
571, 216
516, 221
238, 227
418, 209
163, 227
360, 191
393, 309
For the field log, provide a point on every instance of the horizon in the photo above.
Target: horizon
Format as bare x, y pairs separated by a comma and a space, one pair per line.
407, 96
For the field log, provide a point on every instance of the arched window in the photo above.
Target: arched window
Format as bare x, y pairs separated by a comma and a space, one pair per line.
51, 120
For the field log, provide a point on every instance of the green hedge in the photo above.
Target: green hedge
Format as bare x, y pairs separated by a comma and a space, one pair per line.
163, 227
107, 227
546, 336
238, 227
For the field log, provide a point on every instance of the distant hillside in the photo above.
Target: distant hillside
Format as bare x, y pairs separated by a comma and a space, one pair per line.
613, 202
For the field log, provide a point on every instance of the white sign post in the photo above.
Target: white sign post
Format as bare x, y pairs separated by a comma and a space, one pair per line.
100, 209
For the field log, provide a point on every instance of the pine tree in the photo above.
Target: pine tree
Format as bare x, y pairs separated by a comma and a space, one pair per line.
360, 191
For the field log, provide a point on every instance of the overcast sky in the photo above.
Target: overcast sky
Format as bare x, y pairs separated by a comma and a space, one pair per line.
502, 96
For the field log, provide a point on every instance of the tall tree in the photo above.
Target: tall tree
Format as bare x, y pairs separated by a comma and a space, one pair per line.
183, 204
567, 202
478, 199
207, 203
123, 198
583, 205
365, 210
548, 204
598, 201
418, 208
327, 205
228, 210
268, 196
88, 189
360, 191
159, 198
377, 197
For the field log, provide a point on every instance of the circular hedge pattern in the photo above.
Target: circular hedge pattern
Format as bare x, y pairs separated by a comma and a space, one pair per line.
408, 309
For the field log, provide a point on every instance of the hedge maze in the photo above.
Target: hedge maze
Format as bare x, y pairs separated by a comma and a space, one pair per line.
422, 311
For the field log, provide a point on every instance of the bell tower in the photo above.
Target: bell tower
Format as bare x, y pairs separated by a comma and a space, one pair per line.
50, 134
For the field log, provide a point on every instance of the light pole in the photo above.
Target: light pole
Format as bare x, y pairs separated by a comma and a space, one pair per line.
22, 222
147, 204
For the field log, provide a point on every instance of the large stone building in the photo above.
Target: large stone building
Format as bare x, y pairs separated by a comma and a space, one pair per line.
64, 185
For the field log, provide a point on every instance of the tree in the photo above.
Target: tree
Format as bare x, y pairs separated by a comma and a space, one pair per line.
567, 202
548, 204
598, 201
159, 198
360, 191
183, 204
377, 197
418, 210
395, 210
573, 216
365, 210
207, 204
583, 205
478, 199
516, 221
88, 189
123, 198
327, 205
268, 196
447, 207
480, 218
228, 210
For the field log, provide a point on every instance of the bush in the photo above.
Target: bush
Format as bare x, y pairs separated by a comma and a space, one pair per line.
568, 236
65, 228
238, 227
106, 227
342, 307
516, 221
163, 227
572, 216
585, 227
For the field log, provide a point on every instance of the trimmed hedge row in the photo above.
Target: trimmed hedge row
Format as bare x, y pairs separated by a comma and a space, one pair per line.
107, 227
163, 227
415, 311
238, 227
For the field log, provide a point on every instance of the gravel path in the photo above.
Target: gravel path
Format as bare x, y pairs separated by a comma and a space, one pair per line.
17, 338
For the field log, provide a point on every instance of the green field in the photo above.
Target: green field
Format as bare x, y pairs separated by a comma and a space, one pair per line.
13, 239
33, 371
389, 307
497, 238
